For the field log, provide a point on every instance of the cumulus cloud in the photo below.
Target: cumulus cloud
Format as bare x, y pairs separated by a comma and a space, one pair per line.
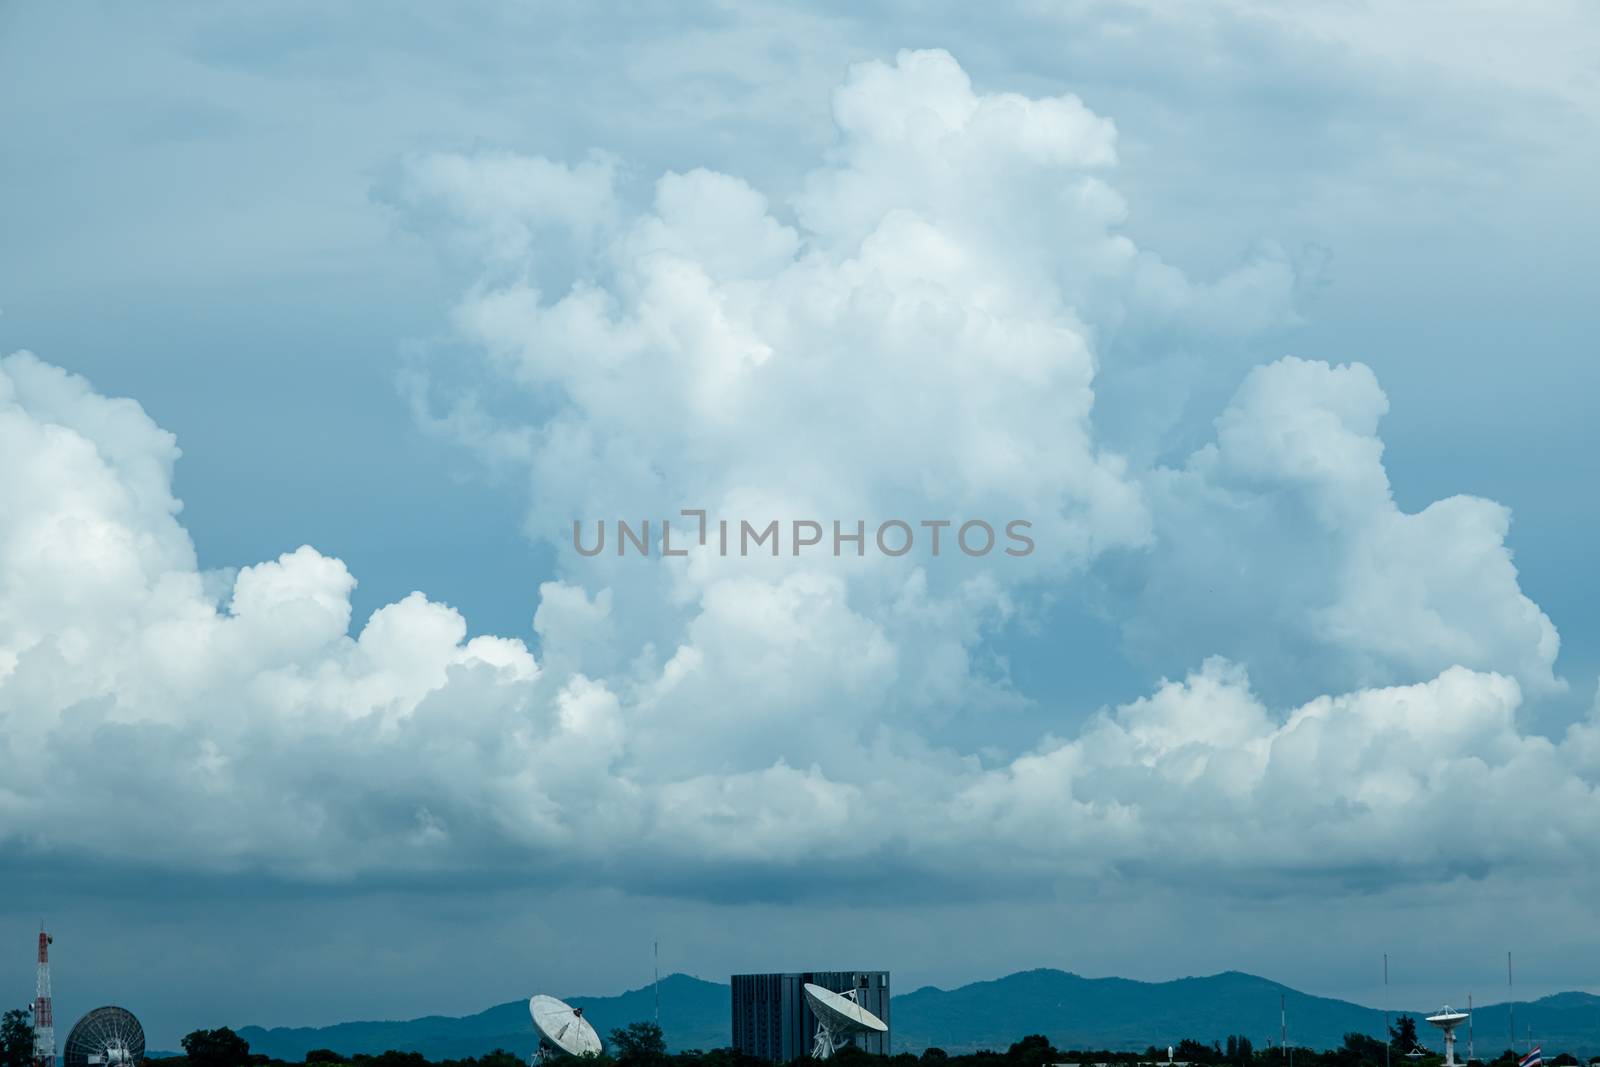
148, 722
914, 336
917, 329
1280, 544
919, 334
1363, 788
923, 333
499, 209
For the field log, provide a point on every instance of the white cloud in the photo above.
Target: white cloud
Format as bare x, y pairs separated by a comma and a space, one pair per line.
257, 736
499, 204
902, 347
913, 337
918, 336
1490, 45
1281, 544
926, 339
1369, 788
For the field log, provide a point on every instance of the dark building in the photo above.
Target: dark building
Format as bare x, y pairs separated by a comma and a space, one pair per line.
772, 1021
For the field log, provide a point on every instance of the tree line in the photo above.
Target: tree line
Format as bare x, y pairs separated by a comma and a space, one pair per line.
642, 1044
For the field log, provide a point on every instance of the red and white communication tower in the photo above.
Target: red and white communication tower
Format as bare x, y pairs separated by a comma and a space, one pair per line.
44, 1026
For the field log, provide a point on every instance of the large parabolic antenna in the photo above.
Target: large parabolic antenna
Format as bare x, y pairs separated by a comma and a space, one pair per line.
563, 1031
839, 1018
106, 1037
1447, 1019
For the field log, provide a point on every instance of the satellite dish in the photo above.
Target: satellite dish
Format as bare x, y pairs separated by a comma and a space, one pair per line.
105, 1037
563, 1031
1447, 1019
839, 1018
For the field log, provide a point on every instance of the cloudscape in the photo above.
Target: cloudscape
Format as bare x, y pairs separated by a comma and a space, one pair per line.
335, 337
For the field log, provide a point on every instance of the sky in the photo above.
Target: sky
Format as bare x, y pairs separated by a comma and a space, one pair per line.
320, 325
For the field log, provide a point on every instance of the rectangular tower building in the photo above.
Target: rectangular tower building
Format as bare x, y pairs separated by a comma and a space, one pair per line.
772, 1021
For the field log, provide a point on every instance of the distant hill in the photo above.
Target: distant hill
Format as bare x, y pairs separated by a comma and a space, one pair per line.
1561, 1022
1073, 1011
1120, 1014
694, 1014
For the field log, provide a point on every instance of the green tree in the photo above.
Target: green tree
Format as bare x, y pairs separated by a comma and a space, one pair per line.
216, 1048
1032, 1051
639, 1045
500, 1058
1362, 1049
1191, 1051
852, 1055
396, 1058
1403, 1034
1238, 1049
16, 1039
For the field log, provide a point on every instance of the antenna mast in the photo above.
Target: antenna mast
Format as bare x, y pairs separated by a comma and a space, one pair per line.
1511, 1007
44, 1027
1469, 1028
1283, 1029
655, 948
1388, 1034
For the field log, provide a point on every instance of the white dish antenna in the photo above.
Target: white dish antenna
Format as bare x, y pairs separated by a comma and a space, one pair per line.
839, 1018
563, 1031
1447, 1019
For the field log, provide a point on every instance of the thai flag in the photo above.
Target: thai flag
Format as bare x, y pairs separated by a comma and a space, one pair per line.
1532, 1059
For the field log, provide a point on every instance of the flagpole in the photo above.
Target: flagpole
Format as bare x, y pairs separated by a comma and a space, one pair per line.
1511, 1005
1388, 1035
1287, 1027
1283, 1026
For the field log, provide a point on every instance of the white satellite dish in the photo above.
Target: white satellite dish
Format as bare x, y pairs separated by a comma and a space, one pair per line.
1447, 1019
839, 1018
563, 1031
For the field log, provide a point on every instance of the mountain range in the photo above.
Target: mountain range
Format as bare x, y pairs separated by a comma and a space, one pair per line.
1073, 1011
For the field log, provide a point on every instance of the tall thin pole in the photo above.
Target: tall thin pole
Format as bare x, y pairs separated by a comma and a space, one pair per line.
1469, 1028
1283, 1028
1511, 1006
655, 949
1388, 1034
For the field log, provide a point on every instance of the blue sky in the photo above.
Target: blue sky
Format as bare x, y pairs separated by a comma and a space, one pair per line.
414, 288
